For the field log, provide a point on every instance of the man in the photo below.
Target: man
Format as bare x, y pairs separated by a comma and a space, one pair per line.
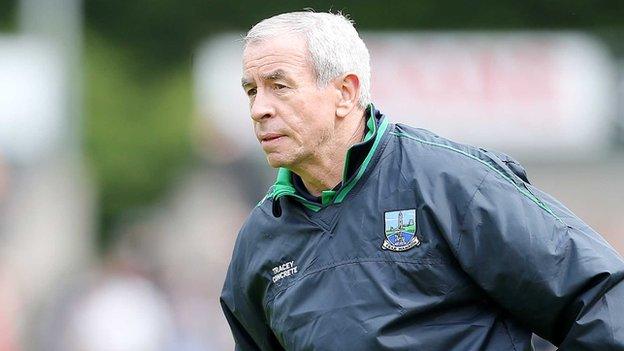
384, 237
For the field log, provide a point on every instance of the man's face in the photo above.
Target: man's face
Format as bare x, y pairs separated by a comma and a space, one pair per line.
293, 118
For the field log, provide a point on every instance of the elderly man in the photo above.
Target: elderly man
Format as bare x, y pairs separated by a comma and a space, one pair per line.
378, 236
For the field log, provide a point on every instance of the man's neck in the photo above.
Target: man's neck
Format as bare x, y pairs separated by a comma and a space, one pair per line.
327, 171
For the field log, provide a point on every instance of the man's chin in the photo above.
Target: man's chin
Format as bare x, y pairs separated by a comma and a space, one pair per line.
277, 161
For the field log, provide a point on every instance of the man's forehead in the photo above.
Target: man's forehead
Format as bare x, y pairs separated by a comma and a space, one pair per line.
275, 58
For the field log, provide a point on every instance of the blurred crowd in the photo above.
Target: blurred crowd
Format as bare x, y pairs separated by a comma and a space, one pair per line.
156, 288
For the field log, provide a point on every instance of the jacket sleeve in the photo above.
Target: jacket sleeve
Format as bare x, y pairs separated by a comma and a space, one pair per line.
243, 340
245, 317
241, 300
541, 263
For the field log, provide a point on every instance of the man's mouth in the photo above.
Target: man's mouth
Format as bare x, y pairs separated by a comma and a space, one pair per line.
270, 137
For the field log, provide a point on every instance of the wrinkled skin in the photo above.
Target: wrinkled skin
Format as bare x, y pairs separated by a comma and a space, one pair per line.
294, 119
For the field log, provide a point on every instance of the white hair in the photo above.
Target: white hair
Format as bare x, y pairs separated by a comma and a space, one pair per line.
333, 43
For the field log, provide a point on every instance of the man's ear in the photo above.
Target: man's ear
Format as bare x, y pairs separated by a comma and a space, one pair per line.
349, 87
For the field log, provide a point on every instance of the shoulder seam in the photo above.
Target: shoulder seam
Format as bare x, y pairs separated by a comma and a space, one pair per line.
526, 193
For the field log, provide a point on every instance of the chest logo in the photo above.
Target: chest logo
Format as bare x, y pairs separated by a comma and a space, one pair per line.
283, 270
400, 230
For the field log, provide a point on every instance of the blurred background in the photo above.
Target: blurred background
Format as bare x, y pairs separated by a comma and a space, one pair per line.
128, 163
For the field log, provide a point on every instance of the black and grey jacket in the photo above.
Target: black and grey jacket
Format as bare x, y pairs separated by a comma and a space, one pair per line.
426, 245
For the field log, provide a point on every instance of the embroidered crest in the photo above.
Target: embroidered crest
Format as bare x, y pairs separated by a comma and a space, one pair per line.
400, 230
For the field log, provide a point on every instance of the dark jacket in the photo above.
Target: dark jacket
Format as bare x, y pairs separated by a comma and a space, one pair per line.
478, 260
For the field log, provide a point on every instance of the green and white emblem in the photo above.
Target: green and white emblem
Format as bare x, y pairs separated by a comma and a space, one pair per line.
400, 230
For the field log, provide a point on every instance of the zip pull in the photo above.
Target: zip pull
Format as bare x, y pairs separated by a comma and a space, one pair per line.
276, 208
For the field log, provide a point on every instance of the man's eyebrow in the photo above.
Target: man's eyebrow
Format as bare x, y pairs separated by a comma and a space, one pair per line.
245, 81
275, 75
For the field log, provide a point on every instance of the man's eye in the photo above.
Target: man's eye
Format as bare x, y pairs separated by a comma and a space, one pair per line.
280, 86
251, 92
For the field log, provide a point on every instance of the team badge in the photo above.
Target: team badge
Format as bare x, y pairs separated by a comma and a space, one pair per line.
400, 230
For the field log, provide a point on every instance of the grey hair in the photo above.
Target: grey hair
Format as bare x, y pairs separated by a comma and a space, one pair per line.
333, 43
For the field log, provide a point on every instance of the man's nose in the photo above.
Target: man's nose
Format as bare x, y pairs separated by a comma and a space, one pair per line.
261, 107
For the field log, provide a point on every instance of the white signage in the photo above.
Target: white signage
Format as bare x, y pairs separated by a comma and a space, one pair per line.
32, 98
220, 97
535, 95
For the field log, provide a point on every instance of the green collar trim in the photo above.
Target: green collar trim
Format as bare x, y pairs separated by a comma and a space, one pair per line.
283, 185
342, 193
372, 129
